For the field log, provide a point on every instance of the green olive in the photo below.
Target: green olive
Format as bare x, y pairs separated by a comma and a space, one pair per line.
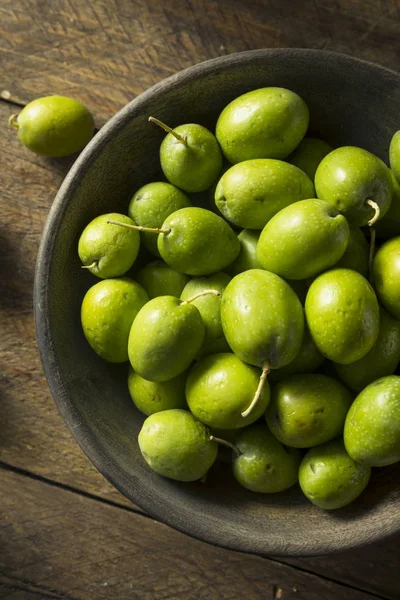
54, 126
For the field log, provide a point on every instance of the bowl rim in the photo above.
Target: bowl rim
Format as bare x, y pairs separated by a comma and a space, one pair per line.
81, 431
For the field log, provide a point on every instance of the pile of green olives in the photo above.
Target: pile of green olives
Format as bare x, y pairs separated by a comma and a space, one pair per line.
265, 316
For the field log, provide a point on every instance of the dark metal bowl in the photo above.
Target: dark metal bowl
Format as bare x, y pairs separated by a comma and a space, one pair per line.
351, 102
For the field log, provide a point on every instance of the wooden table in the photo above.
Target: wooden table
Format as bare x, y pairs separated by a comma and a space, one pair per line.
64, 531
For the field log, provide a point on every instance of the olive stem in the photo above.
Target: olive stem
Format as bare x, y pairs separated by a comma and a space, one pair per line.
140, 227
12, 121
377, 210
180, 138
263, 379
94, 264
226, 443
199, 295
371, 251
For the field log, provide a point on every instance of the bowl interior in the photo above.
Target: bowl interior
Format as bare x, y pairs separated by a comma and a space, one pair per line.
351, 102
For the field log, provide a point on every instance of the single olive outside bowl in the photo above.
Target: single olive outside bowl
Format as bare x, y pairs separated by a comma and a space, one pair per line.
351, 102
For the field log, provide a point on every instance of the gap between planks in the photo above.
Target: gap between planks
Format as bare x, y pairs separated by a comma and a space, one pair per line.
79, 492
70, 488
13, 585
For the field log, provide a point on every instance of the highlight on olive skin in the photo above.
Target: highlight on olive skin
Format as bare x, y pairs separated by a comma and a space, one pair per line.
254, 296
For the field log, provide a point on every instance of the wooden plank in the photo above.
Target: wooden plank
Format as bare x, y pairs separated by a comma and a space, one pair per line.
81, 548
374, 568
33, 435
104, 52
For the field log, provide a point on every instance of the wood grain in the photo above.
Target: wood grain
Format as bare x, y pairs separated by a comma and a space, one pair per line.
375, 568
105, 52
77, 547
33, 435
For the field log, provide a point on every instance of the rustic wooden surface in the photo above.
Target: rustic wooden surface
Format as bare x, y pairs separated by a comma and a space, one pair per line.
64, 531
80, 548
